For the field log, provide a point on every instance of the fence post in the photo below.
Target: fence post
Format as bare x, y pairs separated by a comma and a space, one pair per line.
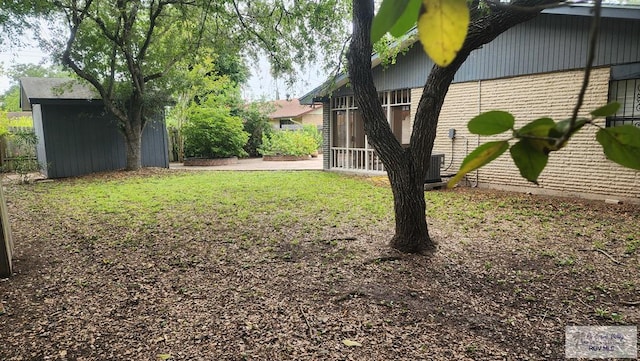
6, 243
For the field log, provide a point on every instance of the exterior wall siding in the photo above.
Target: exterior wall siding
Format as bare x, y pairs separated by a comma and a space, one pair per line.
155, 144
548, 43
580, 169
38, 128
82, 139
533, 70
313, 117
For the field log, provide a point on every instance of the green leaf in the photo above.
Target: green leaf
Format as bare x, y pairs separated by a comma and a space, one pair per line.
621, 145
562, 127
529, 160
350, 343
388, 14
407, 20
163, 356
442, 28
492, 122
479, 157
538, 128
607, 110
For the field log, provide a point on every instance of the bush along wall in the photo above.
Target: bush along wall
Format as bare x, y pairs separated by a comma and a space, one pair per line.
288, 143
212, 132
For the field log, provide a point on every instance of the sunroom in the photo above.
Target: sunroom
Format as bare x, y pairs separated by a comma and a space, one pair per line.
349, 147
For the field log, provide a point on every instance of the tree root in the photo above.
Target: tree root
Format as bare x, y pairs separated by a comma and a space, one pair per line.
631, 303
604, 253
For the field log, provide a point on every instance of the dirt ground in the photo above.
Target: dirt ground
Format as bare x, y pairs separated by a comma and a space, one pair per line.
503, 285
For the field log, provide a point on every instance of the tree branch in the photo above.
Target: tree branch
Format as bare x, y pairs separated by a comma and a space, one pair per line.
593, 39
365, 93
267, 44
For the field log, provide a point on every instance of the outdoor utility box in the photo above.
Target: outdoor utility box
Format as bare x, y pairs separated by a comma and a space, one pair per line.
433, 175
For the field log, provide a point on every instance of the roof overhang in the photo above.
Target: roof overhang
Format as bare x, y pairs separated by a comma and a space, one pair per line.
608, 11
321, 93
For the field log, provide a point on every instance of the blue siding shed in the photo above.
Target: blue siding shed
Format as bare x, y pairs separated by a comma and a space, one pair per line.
77, 136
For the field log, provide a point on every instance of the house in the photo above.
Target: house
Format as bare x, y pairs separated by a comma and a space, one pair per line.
533, 70
290, 113
76, 135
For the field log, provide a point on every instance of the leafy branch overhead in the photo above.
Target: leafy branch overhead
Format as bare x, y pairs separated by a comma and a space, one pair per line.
442, 25
540, 137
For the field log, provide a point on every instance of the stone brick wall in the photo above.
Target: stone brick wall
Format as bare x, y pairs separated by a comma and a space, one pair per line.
326, 134
580, 169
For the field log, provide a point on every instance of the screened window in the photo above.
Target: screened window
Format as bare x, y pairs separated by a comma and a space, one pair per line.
397, 107
342, 109
627, 93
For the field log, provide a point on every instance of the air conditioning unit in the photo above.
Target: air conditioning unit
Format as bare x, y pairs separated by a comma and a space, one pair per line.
433, 175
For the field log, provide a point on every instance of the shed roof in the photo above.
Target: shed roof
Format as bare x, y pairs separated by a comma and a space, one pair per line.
37, 90
290, 108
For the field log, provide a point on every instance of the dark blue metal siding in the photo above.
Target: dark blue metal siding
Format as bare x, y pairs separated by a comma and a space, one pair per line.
82, 139
155, 147
546, 44
391, 77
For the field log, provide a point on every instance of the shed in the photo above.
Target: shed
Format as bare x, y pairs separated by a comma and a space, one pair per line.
77, 136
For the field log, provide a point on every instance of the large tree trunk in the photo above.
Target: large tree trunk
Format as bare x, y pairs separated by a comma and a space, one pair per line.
411, 233
132, 131
407, 180
407, 168
134, 149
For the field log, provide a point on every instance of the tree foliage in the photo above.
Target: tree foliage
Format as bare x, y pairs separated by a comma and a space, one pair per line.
204, 80
16, 16
256, 123
10, 100
212, 132
129, 50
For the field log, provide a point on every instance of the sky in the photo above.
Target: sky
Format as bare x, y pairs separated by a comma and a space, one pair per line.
261, 85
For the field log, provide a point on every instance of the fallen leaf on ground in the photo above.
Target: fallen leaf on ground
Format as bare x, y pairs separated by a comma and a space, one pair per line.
350, 343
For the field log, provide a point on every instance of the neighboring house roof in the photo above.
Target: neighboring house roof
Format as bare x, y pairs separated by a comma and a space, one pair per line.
37, 90
608, 11
290, 109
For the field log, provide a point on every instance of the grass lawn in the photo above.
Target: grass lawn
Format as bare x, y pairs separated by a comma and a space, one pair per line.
172, 265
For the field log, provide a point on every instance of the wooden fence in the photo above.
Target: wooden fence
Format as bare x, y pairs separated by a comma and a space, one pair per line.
13, 151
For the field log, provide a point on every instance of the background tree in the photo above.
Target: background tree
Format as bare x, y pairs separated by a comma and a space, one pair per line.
256, 123
128, 49
407, 167
16, 16
10, 100
208, 83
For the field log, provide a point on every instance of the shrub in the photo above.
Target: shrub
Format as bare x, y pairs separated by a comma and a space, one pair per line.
297, 143
313, 131
256, 123
212, 132
25, 162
